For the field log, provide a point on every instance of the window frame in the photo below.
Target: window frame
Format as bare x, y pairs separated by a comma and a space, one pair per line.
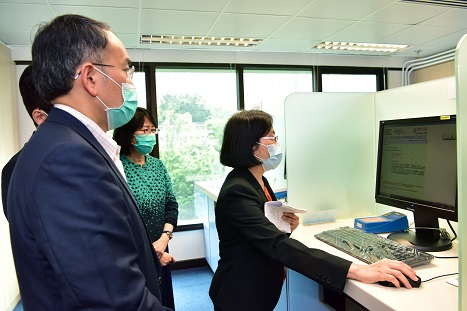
317, 71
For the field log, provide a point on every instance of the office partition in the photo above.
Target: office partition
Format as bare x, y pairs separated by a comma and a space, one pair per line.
461, 89
330, 152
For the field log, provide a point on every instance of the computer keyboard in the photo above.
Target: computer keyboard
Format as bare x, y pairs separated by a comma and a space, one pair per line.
370, 248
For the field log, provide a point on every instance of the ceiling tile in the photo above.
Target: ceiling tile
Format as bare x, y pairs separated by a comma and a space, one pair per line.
246, 25
286, 45
185, 5
97, 3
24, 1
406, 13
454, 18
187, 23
338, 9
292, 26
449, 41
267, 7
422, 51
17, 37
129, 40
367, 32
304, 28
112, 16
420, 34
17, 17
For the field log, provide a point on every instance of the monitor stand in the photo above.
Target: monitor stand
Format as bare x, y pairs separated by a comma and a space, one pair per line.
422, 242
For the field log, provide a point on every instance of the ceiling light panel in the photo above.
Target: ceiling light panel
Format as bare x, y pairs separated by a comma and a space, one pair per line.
197, 41
366, 47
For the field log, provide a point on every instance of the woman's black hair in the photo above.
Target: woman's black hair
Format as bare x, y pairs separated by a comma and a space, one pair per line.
241, 134
123, 134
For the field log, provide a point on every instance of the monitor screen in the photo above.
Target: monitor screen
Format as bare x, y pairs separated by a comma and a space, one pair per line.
416, 171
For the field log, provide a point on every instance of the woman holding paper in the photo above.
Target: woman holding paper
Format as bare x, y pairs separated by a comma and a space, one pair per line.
253, 252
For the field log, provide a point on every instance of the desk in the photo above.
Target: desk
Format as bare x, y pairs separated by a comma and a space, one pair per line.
432, 295
206, 193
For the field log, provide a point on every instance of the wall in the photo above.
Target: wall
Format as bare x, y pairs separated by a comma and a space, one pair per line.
439, 71
9, 291
248, 57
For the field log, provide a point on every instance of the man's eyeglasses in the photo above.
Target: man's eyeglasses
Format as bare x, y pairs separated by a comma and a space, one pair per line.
274, 138
149, 131
129, 71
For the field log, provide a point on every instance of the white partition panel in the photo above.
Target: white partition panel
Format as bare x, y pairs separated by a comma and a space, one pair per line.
424, 99
330, 152
461, 80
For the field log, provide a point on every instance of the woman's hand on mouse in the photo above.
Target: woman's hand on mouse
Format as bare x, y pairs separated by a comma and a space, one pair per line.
383, 270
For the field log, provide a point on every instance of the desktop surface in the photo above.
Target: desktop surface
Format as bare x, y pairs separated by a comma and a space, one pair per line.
436, 294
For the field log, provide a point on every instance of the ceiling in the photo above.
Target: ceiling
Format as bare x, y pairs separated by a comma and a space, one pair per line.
283, 25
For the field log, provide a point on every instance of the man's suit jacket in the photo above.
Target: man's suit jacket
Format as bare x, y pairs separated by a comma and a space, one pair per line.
253, 252
7, 171
78, 240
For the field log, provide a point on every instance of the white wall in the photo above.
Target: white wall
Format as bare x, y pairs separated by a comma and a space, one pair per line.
248, 57
187, 245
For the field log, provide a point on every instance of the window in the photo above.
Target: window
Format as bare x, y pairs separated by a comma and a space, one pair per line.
139, 80
351, 79
193, 106
267, 89
349, 83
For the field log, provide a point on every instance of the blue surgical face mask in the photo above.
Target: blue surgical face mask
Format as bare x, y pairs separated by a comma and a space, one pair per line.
275, 157
117, 117
145, 143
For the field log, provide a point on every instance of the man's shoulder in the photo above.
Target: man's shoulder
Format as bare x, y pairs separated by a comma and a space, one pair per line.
11, 164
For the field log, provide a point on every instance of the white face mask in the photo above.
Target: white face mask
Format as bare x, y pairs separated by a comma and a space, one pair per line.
275, 157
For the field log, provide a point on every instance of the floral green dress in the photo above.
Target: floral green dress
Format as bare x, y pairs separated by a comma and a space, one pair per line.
152, 189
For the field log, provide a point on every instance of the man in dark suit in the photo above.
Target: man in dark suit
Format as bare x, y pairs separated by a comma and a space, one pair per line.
38, 110
77, 237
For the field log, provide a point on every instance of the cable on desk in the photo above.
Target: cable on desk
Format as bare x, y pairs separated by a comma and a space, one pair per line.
440, 276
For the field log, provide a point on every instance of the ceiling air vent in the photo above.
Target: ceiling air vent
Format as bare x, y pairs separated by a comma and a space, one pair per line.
449, 3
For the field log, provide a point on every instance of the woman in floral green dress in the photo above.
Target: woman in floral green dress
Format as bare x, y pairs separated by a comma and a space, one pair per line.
152, 188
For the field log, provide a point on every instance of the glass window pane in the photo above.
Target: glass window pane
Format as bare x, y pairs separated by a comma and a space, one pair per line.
193, 106
267, 89
139, 80
349, 83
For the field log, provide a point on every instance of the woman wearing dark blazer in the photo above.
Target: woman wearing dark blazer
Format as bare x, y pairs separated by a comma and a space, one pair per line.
253, 252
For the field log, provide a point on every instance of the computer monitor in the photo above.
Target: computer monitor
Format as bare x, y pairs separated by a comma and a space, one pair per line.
417, 171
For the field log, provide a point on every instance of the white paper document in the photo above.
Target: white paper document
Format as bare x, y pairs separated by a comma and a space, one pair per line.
274, 210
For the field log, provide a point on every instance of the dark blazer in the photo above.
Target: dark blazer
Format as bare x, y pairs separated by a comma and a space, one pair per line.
6, 176
253, 252
78, 240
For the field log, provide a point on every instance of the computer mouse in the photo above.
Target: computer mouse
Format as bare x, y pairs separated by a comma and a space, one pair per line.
415, 284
